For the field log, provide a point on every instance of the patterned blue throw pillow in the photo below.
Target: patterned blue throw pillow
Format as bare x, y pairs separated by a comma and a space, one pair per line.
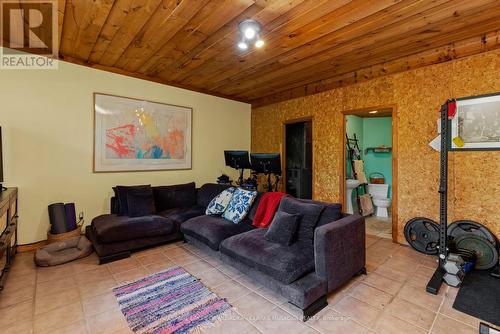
239, 205
220, 202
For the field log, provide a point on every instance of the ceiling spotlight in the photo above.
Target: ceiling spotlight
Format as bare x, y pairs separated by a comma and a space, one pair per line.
242, 45
250, 34
373, 112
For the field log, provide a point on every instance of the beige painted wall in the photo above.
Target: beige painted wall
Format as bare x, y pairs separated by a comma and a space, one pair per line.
474, 185
47, 124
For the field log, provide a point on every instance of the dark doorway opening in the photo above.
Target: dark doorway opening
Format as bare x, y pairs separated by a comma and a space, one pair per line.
298, 161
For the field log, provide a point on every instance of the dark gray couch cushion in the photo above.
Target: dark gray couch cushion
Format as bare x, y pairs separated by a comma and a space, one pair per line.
310, 214
212, 230
180, 215
113, 228
174, 196
283, 228
284, 263
332, 211
208, 191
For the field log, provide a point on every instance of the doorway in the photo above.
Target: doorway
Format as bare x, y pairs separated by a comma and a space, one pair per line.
298, 158
369, 165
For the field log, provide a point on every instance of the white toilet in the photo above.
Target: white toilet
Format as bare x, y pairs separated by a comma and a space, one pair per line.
379, 194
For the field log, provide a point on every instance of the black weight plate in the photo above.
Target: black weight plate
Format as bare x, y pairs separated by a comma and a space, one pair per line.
468, 227
487, 254
423, 235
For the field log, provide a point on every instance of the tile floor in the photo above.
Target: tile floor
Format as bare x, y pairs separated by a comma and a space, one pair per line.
380, 227
76, 297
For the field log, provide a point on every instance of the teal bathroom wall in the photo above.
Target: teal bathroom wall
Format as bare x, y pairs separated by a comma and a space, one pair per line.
354, 125
372, 132
377, 131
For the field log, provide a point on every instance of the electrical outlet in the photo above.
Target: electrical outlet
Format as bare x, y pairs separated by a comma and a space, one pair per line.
80, 216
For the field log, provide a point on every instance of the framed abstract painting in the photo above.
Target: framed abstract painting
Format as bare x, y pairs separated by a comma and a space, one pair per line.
138, 135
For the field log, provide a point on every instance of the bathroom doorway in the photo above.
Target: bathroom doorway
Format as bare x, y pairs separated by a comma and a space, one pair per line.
298, 140
369, 175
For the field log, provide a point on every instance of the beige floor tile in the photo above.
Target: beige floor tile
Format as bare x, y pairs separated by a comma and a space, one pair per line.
58, 318
20, 327
447, 309
392, 273
383, 283
157, 267
212, 278
387, 324
48, 302
177, 252
100, 272
198, 267
184, 260
11, 297
330, 322
123, 265
230, 271
248, 282
22, 267
418, 281
236, 326
421, 297
106, 323
446, 325
91, 262
94, 288
231, 290
47, 274
16, 313
79, 327
279, 321
20, 281
253, 306
414, 314
334, 297
371, 295
100, 304
130, 275
153, 258
271, 295
357, 310
57, 286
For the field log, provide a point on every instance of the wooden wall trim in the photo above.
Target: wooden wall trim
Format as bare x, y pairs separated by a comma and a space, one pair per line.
465, 48
31, 247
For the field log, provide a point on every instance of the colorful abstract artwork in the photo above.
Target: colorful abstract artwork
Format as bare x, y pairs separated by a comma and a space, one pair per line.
136, 135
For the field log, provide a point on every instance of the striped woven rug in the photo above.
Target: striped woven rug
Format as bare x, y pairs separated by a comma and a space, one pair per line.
171, 301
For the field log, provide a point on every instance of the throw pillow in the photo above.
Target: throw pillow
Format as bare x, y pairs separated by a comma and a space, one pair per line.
218, 205
239, 205
283, 228
175, 196
140, 202
122, 197
310, 214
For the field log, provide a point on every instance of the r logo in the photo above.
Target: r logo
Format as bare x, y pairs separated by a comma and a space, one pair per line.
29, 26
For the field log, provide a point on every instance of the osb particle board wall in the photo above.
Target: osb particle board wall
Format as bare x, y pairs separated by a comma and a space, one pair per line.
474, 181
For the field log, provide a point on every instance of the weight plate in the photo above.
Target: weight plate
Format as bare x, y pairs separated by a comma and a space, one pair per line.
487, 254
468, 227
423, 235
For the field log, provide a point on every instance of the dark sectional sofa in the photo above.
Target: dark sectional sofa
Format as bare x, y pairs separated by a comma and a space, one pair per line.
304, 272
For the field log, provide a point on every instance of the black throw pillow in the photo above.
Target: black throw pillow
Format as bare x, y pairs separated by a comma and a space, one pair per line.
140, 202
122, 191
175, 196
310, 214
283, 228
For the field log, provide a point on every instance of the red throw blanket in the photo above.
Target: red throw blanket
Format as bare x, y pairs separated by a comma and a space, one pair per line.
267, 208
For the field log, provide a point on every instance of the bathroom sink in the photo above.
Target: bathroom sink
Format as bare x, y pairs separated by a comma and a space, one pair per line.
351, 183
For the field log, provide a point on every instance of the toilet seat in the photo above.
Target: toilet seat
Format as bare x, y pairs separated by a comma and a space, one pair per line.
382, 202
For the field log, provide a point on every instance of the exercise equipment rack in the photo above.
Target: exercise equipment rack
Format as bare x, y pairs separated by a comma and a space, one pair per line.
354, 153
447, 112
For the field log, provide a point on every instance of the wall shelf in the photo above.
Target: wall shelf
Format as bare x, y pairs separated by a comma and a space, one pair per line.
379, 149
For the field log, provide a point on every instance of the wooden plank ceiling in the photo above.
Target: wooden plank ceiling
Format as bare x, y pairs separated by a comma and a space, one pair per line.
311, 45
